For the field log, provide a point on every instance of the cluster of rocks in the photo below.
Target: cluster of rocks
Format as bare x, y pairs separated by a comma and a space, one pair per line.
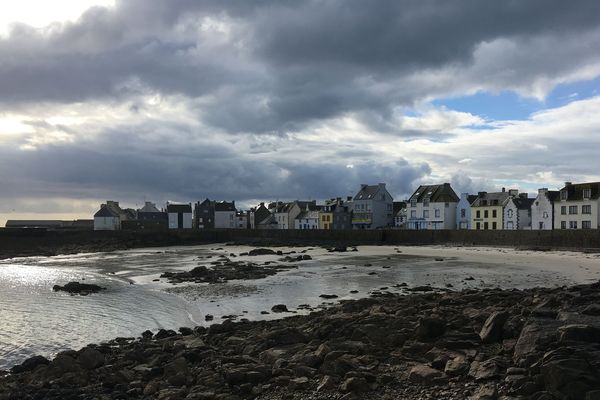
82, 289
539, 344
225, 270
341, 249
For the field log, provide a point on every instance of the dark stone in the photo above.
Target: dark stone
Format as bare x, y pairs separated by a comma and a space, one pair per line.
208, 317
164, 333
30, 364
147, 334
261, 252
328, 296
279, 308
492, 328
78, 288
430, 328
185, 331
90, 358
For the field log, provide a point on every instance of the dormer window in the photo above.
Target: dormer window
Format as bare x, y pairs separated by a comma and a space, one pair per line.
426, 202
563, 194
413, 202
587, 193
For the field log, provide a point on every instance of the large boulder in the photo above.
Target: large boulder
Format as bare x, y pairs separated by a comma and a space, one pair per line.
430, 328
78, 288
568, 374
579, 333
30, 364
90, 358
261, 252
425, 375
492, 328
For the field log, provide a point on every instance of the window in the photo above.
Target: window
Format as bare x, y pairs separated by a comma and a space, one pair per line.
545, 214
587, 193
563, 210
478, 225
586, 209
426, 202
564, 194
463, 213
572, 210
485, 213
413, 214
478, 214
425, 213
485, 226
447, 205
586, 224
437, 213
509, 213
563, 224
494, 226
494, 213
572, 224
413, 203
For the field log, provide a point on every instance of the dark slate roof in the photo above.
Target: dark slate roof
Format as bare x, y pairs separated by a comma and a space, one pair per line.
399, 205
576, 190
523, 204
491, 199
224, 206
367, 192
107, 212
553, 195
436, 194
308, 215
471, 198
179, 208
312, 205
261, 214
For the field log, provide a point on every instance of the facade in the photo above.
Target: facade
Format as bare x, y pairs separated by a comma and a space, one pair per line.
325, 217
432, 207
517, 213
225, 215
400, 214
179, 215
148, 217
487, 211
204, 214
109, 217
241, 220
578, 206
463, 211
372, 208
285, 213
261, 218
336, 214
307, 220
542, 209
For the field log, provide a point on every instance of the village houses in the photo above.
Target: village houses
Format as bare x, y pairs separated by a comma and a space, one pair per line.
432, 207
578, 206
372, 207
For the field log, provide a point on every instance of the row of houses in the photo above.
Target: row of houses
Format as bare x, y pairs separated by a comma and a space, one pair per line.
430, 207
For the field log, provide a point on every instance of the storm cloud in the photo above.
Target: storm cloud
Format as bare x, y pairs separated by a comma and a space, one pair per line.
180, 99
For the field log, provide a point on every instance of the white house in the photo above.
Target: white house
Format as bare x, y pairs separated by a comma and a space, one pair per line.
180, 215
225, 215
463, 211
108, 218
578, 206
307, 220
542, 209
432, 207
373, 207
285, 213
241, 219
517, 212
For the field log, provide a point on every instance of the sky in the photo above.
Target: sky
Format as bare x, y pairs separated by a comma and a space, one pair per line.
180, 100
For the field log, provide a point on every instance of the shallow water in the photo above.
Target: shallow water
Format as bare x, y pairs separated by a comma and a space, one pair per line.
36, 320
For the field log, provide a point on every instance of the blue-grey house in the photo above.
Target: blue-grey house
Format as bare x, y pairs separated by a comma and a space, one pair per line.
463, 211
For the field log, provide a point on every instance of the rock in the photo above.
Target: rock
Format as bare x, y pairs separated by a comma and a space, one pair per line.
492, 328
579, 333
593, 395
469, 278
534, 338
485, 392
457, 366
568, 374
592, 309
30, 364
147, 334
165, 333
90, 358
355, 384
301, 383
488, 369
430, 328
287, 336
327, 383
279, 308
208, 317
185, 331
339, 249
78, 288
328, 296
261, 252
425, 375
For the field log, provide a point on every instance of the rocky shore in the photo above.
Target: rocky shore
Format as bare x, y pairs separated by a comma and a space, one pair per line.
537, 344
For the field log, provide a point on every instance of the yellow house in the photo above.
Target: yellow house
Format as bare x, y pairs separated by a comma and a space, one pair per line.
325, 218
487, 211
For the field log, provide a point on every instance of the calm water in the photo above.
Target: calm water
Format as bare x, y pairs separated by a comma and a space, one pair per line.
36, 320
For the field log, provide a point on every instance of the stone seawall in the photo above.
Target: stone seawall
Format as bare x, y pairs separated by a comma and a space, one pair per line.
29, 242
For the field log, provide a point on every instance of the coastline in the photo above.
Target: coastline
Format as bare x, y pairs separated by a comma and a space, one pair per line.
474, 344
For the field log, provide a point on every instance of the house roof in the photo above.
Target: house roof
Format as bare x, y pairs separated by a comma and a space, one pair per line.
149, 207
575, 191
308, 215
553, 195
485, 199
399, 205
523, 203
224, 206
435, 193
261, 214
179, 208
471, 198
106, 211
368, 192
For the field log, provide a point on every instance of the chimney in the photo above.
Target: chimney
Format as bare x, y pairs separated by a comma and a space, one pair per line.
481, 194
513, 192
542, 190
568, 183
523, 195
503, 190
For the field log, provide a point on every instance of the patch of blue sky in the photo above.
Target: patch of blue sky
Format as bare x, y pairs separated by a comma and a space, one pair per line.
508, 105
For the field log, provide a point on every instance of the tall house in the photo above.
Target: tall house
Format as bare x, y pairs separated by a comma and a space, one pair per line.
578, 206
432, 207
517, 212
225, 215
180, 215
373, 207
400, 214
336, 214
109, 217
487, 211
463, 211
204, 214
542, 209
